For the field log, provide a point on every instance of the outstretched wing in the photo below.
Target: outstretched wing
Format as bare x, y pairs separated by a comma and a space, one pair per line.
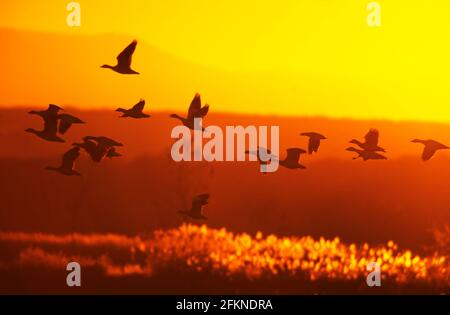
427, 153
68, 159
202, 111
313, 144
104, 141
64, 125
139, 106
195, 106
372, 137
66, 121
293, 154
124, 58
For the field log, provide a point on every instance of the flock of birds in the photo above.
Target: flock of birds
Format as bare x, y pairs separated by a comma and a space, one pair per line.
99, 147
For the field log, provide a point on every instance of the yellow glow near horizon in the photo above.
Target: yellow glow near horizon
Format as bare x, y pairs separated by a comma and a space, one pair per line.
397, 71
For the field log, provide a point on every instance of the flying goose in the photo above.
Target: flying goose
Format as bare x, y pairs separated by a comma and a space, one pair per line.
292, 158
314, 141
124, 60
195, 111
135, 111
196, 210
50, 117
371, 141
431, 146
366, 155
68, 162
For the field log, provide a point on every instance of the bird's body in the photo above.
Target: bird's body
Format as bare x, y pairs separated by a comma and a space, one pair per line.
135, 111
431, 146
68, 163
314, 141
196, 209
366, 155
195, 111
45, 134
292, 159
123, 65
371, 141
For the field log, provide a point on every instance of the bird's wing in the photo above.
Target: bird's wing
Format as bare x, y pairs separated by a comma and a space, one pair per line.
293, 154
64, 125
139, 106
124, 58
72, 119
69, 158
66, 121
313, 144
195, 106
53, 108
427, 153
202, 112
372, 137
107, 142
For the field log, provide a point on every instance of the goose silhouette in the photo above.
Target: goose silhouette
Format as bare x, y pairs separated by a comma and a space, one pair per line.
196, 209
292, 158
195, 111
135, 111
68, 163
366, 155
371, 141
314, 141
123, 65
66, 121
431, 146
50, 117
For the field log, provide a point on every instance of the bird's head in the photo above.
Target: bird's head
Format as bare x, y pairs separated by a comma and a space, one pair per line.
106, 66
30, 130
354, 141
351, 149
416, 141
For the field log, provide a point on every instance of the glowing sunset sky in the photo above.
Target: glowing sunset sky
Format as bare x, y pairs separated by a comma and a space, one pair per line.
294, 57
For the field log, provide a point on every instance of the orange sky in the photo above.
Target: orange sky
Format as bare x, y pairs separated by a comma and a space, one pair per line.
286, 57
